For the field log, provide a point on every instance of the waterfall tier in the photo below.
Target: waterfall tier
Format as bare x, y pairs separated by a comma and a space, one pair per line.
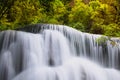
56, 52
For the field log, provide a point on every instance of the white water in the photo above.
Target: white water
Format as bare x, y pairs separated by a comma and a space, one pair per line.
57, 53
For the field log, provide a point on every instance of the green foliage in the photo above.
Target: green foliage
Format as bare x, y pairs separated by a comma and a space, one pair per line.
5, 5
22, 13
80, 13
78, 26
58, 11
94, 16
102, 40
112, 30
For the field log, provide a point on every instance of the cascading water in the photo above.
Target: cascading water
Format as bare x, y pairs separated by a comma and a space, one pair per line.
56, 52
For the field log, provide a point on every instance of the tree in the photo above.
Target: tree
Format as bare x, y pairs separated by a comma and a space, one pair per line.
4, 6
23, 13
80, 14
105, 18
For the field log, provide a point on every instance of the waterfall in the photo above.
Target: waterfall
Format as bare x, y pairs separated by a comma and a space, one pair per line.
56, 52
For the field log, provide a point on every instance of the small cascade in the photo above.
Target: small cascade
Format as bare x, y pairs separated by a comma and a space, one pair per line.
56, 52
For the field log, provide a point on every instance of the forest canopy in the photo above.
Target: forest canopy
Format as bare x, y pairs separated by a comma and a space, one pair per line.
93, 16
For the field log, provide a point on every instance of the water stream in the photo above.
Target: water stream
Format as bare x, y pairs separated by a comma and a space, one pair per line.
56, 52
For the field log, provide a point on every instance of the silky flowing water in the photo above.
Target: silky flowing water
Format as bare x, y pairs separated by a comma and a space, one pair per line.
57, 52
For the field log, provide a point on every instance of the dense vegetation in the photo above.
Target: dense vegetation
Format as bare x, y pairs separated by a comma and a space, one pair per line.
94, 16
